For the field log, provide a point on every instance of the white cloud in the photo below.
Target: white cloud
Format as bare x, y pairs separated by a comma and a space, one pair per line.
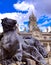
42, 7
44, 23
43, 28
9, 15
24, 6
21, 6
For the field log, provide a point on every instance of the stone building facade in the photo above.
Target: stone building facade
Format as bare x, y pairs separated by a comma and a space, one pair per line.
43, 37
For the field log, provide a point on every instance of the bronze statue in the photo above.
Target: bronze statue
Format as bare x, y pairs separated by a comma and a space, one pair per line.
14, 47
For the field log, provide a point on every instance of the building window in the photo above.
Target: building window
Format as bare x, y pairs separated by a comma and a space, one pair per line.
45, 37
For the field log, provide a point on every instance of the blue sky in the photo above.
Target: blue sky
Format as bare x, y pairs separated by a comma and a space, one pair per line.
7, 6
22, 9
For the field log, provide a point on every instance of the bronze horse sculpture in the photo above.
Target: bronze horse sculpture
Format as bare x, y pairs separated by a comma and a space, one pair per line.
14, 47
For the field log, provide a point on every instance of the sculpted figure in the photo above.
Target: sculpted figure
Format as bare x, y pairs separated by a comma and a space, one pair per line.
14, 47
9, 43
35, 49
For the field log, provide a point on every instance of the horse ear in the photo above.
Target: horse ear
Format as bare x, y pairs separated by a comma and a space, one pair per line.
1, 19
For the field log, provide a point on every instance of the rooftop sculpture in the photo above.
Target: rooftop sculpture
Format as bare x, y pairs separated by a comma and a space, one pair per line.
14, 47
